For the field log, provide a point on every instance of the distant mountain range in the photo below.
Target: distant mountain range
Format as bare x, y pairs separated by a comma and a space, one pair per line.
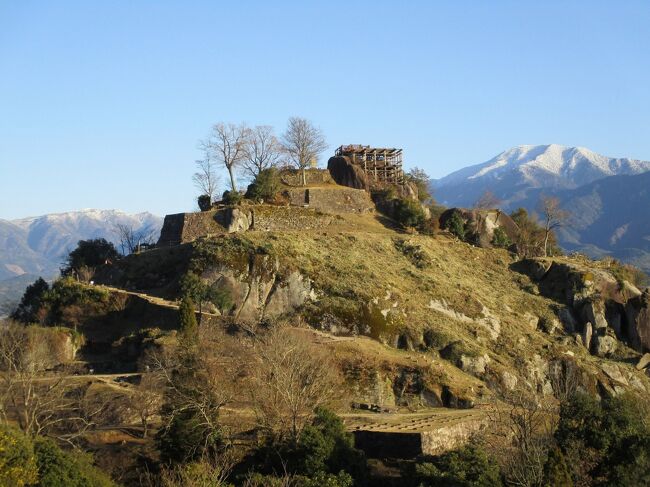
514, 173
37, 246
609, 198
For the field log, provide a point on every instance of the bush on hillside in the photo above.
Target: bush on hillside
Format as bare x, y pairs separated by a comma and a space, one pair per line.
57, 468
530, 241
469, 466
232, 198
204, 202
187, 321
90, 254
421, 181
456, 225
408, 213
39, 461
265, 186
501, 239
17, 461
605, 442
324, 453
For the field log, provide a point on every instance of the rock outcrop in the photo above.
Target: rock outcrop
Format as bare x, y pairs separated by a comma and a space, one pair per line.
347, 174
637, 311
260, 291
481, 224
597, 304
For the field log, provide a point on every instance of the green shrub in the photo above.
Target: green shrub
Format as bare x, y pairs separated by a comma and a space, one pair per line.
57, 468
456, 225
467, 467
408, 213
17, 460
90, 253
556, 471
232, 198
204, 202
265, 186
501, 239
323, 455
421, 181
605, 442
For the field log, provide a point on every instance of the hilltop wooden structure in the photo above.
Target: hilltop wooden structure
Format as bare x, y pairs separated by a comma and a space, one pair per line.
381, 164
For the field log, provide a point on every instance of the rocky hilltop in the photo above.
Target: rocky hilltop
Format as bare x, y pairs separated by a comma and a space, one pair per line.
460, 323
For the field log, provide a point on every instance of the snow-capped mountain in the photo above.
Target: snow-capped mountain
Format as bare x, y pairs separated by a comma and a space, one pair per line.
54, 235
512, 174
38, 245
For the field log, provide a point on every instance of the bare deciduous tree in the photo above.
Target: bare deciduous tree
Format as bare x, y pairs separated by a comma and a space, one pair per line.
206, 179
131, 238
226, 145
262, 151
146, 399
487, 201
199, 380
42, 402
553, 216
303, 142
522, 431
292, 379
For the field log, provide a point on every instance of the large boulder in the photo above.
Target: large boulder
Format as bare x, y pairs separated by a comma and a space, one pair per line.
643, 362
637, 311
347, 174
593, 311
603, 346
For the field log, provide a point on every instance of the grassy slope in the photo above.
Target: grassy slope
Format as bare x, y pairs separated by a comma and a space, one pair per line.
361, 267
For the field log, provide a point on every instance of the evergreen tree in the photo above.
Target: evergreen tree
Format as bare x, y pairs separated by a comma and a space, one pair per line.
31, 302
187, 321
556, 471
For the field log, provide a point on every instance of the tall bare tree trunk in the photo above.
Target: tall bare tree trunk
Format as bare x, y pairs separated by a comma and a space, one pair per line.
232, 179
548, 232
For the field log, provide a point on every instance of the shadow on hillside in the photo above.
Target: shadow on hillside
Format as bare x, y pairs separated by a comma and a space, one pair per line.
389, 223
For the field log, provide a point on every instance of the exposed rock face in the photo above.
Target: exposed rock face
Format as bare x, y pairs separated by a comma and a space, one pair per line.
643, 362
237, 220
260, 291
603, 346
347, 174
481, 224
474, 365
508, 380
637, 311
587, 332
597, 299
593, 311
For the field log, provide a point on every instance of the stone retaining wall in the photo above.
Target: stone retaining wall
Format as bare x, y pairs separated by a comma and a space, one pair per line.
331, 200
187, 227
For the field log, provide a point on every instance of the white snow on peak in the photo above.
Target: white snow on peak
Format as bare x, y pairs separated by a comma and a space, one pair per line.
548, 165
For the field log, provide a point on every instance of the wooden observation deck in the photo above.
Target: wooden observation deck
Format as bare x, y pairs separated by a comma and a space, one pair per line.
381, 164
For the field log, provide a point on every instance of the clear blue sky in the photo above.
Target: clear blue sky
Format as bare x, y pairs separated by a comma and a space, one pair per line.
102, 103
